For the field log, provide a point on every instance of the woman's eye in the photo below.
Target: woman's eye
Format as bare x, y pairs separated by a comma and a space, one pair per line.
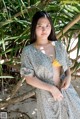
48, 26
39, 26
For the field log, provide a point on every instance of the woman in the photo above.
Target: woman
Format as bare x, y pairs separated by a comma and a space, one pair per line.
45, 65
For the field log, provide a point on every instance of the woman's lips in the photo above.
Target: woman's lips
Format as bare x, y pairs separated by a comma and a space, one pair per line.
43, 34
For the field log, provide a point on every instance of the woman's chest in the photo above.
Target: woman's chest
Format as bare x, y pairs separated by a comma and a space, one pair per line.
40, 59
48, 50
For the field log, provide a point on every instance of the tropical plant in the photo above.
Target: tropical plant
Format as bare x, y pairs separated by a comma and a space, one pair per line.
15, 21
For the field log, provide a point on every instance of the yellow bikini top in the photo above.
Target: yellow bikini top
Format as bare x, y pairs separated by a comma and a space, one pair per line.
56, 63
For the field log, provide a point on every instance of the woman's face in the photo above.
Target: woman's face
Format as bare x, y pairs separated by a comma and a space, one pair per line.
43, 28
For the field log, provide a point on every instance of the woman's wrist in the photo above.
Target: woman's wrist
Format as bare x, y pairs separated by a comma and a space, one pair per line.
52, 87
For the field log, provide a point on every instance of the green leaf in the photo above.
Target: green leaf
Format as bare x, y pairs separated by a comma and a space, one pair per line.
6, 77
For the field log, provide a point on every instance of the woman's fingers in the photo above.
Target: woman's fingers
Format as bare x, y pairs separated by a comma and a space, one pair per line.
58, 97
65, 85
56, 93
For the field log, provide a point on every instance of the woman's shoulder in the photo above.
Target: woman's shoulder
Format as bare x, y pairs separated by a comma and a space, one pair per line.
57, 43
27, 48
60, 44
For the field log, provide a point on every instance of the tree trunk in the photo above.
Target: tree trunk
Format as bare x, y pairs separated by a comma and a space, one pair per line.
74, 21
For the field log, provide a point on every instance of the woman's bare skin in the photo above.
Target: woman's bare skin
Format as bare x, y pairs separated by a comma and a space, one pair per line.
51, 53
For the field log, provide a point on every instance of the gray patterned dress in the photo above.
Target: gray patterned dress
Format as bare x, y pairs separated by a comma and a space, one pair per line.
34, 62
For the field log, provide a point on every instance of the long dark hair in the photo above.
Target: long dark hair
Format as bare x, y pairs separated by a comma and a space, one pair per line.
36, 17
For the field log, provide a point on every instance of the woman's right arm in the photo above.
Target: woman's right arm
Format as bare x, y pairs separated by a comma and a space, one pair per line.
34, 81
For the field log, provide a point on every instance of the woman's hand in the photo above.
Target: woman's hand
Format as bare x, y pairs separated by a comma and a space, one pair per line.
56, 93
65, 83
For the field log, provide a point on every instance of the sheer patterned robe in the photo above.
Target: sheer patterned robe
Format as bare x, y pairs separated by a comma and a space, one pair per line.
35, 63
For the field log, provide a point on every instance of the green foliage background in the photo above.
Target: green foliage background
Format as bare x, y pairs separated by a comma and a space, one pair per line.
15, 20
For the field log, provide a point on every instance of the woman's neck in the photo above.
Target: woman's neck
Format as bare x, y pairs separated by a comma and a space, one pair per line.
42, 43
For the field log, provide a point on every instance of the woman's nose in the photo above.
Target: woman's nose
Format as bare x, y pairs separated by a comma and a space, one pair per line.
43, 28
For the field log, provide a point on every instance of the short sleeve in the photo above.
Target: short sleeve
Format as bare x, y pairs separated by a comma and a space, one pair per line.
26, 66
68, 61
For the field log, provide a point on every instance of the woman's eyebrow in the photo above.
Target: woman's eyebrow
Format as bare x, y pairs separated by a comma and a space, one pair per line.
42, 23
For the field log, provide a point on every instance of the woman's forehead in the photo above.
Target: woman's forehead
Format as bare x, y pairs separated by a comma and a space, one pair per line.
43, 20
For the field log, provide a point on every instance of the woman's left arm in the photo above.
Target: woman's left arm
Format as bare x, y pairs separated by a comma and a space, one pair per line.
67, 79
